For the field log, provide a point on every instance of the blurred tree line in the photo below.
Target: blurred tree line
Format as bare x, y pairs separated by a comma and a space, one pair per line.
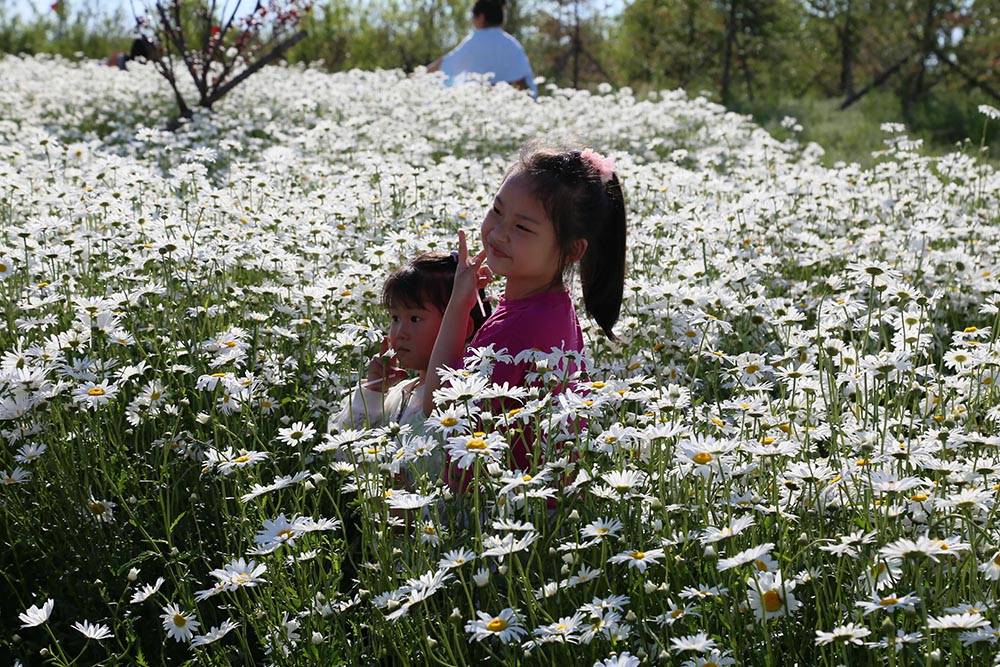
929, 63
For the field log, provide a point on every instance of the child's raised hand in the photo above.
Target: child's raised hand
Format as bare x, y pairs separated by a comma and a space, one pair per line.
382, 372
471, 275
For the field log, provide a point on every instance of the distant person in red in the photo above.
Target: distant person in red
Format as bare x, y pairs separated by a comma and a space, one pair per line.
141, 48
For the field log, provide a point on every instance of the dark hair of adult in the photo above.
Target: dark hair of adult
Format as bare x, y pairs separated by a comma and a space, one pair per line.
142, 48
427, 282
582, 206
490, 10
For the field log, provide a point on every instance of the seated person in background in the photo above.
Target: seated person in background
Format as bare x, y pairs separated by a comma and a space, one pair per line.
141, 48
415, 297
488, 49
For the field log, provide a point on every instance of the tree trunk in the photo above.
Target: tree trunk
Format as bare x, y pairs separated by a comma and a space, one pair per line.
847, 53
576, 43
727, 53
915, 88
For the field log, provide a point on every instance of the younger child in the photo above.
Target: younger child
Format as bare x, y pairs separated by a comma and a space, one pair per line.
554, 210
415, 296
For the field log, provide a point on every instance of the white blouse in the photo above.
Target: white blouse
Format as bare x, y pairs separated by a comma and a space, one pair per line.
489, 50
402, 404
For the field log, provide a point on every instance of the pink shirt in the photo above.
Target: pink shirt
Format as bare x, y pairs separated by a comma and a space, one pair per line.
539, 322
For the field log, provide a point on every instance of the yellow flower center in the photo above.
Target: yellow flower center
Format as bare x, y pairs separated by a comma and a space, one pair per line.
179, 620
760, 565
429, 530
218, 375
496, 625
449, 422
767, 440
95, 391
996, 559
701, 458
97, 508
514, 412
597, 385
242, 459
970, 329
526, 478
476, 444
752, 368
676, 613
888, 602
285, 533
638, 555
918, 497
772, 601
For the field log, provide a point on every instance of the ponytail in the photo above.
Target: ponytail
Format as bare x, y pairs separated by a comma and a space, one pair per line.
602, 267
583, 197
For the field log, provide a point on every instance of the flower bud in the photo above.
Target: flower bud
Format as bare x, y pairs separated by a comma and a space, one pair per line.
133, 574
317, 638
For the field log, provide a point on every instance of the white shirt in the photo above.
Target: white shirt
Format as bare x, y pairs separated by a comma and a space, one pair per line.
489, 50
402, 404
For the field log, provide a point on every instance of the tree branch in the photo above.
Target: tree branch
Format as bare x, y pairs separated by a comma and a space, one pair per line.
968, 76
273, 55
877, 81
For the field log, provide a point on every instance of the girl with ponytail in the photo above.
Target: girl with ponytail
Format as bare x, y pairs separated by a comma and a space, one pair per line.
554, 210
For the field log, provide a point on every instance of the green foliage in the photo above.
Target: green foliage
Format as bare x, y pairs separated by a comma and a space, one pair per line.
66, 31
345, 34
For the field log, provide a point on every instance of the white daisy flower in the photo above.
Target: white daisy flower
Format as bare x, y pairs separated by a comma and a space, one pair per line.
850, 633
179, 625
35, 615
92, 631
505, 626
147, 591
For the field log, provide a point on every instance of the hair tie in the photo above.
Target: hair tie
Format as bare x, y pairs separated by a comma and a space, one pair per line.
604, 166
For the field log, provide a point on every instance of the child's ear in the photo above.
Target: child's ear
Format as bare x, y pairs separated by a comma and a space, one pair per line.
577, 250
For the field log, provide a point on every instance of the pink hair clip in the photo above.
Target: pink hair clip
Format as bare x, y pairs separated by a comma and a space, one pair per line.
605, 166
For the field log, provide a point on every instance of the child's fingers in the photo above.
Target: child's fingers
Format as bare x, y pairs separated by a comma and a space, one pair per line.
479, 258
463, 249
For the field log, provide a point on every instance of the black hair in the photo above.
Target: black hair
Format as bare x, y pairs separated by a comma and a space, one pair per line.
427, 281
490, 10
582, 205
142, 48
